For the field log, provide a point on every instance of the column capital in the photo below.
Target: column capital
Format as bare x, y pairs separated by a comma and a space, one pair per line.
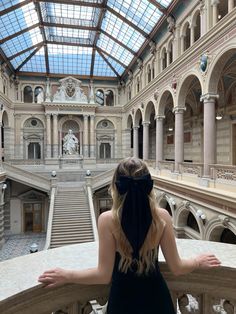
209, 96
136, 127
159, 117
215, 2
92, 116
179, 109
146, 123
85, 116
54, 114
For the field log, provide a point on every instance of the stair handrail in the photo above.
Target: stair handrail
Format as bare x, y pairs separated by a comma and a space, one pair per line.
102, 178
50, 217
91, 207
33, 178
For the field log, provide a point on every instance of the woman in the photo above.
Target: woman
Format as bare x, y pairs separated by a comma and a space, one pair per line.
129, 237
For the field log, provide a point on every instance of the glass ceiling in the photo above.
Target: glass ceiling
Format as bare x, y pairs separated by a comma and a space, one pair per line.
93, 38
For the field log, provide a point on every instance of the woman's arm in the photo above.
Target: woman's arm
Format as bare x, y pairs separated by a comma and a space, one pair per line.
98, 275
177, 265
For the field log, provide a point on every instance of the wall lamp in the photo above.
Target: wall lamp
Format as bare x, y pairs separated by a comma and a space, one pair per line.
201, 215
4, 186
219, 116
88, 173
53, 173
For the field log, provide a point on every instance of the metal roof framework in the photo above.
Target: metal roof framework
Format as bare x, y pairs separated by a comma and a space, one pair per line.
86, 38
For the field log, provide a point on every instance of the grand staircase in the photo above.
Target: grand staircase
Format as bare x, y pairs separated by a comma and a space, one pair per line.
71, 219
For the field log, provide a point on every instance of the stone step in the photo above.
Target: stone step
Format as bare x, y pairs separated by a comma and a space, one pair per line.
74, 234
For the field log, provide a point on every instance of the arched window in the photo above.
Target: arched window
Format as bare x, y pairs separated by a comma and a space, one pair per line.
100, 97
192, 222
187, 37
149, 73
197, 28
109, 98
28, 94
129, 93
138, 84
164, 59
227, 236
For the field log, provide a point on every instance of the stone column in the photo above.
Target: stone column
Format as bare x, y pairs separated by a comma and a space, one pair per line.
1, 144
92, 137
230, 5
192, 30
55, 135
48, 136
176, 43
85, 150
179, 137
167, 58
182, 38
159, 139
209, 137
203, 19
157, 62
214, 4
146, 140
135, 141
2, 192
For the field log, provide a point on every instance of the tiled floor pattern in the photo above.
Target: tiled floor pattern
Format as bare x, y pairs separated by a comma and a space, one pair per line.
17, 245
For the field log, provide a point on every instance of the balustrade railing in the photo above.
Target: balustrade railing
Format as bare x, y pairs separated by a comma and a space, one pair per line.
166, 165
223, 173
191, 169
202, 291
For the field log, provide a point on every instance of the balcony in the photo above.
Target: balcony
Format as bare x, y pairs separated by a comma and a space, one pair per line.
210, 291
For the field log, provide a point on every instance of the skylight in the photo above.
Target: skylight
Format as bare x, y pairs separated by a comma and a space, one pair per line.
90, 38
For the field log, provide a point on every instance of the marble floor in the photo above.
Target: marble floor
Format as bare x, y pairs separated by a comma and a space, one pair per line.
19, 244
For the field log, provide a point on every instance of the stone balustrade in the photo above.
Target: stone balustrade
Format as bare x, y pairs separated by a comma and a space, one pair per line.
202, 291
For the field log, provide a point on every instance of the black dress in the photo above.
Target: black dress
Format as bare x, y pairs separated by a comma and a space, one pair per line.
139, 294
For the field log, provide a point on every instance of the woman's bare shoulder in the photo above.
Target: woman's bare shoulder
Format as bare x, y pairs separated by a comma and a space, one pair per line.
106, 218
163, 213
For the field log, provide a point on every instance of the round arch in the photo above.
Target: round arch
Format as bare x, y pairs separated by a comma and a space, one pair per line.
216, 226
185, 86
181, 218
162, 101
150, 107
216, 68
168, 203
137, 117
129, 122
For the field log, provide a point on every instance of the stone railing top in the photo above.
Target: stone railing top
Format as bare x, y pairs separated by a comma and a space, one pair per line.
20, 274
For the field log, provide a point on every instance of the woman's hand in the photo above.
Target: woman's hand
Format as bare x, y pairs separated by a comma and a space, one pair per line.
205, 261
55, 277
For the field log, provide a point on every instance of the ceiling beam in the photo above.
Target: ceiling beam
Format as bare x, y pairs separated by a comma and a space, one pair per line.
68, 44
107, 54
75, 2
6, 60
99, 25
119, 42
25, 50
128, 22
27, 59
62, 75
110, 65
39, 13
19, 33
152, 34
90, 28
15, 7
158, 5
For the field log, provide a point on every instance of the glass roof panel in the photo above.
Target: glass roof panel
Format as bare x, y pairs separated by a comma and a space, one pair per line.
165, 3
69, 59
70, 35
18, 20
122, 31
4, 4
115, 50
36, 63
71, 14
142, 13
18, 60
101, 68
118, 67
22, 42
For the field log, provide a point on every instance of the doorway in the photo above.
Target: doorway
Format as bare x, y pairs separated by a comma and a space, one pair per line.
34, 151
32, 217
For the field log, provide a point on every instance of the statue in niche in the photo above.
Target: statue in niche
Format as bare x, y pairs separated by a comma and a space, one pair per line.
171, 23
70, 144
40, 97
70, 91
